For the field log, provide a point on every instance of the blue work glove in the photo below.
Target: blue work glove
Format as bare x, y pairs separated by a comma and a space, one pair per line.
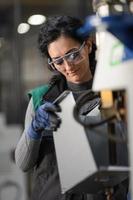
45, 118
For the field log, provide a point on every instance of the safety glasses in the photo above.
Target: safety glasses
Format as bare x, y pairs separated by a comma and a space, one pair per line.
73, 57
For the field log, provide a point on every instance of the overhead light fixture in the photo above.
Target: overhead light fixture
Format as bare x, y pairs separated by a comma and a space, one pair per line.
118, 7
131, 6
103, 10
23, 28
36, 19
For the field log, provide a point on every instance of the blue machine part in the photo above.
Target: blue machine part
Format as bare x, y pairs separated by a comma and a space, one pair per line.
121, 26
128, 54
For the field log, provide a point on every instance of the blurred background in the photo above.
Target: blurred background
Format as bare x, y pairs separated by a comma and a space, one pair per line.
22, 68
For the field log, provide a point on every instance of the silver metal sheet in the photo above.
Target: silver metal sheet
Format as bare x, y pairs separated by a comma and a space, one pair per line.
74, 155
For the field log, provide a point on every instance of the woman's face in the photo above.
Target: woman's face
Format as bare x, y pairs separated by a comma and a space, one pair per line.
75, 65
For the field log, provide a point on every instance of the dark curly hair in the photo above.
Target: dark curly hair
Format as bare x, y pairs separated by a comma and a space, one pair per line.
54, 27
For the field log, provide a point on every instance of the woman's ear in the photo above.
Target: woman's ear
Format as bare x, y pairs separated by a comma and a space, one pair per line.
89, 45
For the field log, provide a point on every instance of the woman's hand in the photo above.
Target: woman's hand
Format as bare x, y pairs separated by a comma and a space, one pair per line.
45, 118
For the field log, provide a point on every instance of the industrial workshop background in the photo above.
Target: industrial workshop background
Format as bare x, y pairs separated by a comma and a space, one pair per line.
22, 68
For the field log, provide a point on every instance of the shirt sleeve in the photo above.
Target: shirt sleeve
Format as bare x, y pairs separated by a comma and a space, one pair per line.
27, 149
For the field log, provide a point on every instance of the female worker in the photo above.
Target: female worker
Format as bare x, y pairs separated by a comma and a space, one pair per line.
72, 58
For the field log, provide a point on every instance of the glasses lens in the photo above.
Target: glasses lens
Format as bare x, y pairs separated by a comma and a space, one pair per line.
76, 56
58, 61
73, 57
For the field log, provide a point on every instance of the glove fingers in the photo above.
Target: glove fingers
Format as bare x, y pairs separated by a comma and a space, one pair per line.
58, 108
41, 118
42, 115
51, 124
38, 125
51, 107
54, 118
46, 118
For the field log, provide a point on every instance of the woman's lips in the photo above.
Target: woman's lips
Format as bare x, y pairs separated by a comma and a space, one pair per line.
73, 72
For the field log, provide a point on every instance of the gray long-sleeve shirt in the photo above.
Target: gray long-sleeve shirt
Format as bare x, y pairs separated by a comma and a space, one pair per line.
27, 149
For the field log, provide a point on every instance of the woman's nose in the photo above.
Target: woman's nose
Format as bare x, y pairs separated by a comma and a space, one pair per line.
67, 64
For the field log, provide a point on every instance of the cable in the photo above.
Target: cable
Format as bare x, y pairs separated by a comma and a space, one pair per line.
94, 101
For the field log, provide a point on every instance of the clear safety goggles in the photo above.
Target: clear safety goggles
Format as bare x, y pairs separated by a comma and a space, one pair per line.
73, 57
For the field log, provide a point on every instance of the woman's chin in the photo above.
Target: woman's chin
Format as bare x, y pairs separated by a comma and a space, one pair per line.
75, 79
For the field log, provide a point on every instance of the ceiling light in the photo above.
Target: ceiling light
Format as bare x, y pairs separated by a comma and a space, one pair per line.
23, 28
118, 7
36, 19
131, 6
103, 10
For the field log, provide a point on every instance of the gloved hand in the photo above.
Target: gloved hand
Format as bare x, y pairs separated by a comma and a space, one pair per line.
45, 118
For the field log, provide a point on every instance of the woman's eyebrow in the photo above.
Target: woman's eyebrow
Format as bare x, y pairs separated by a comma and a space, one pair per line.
70, 51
